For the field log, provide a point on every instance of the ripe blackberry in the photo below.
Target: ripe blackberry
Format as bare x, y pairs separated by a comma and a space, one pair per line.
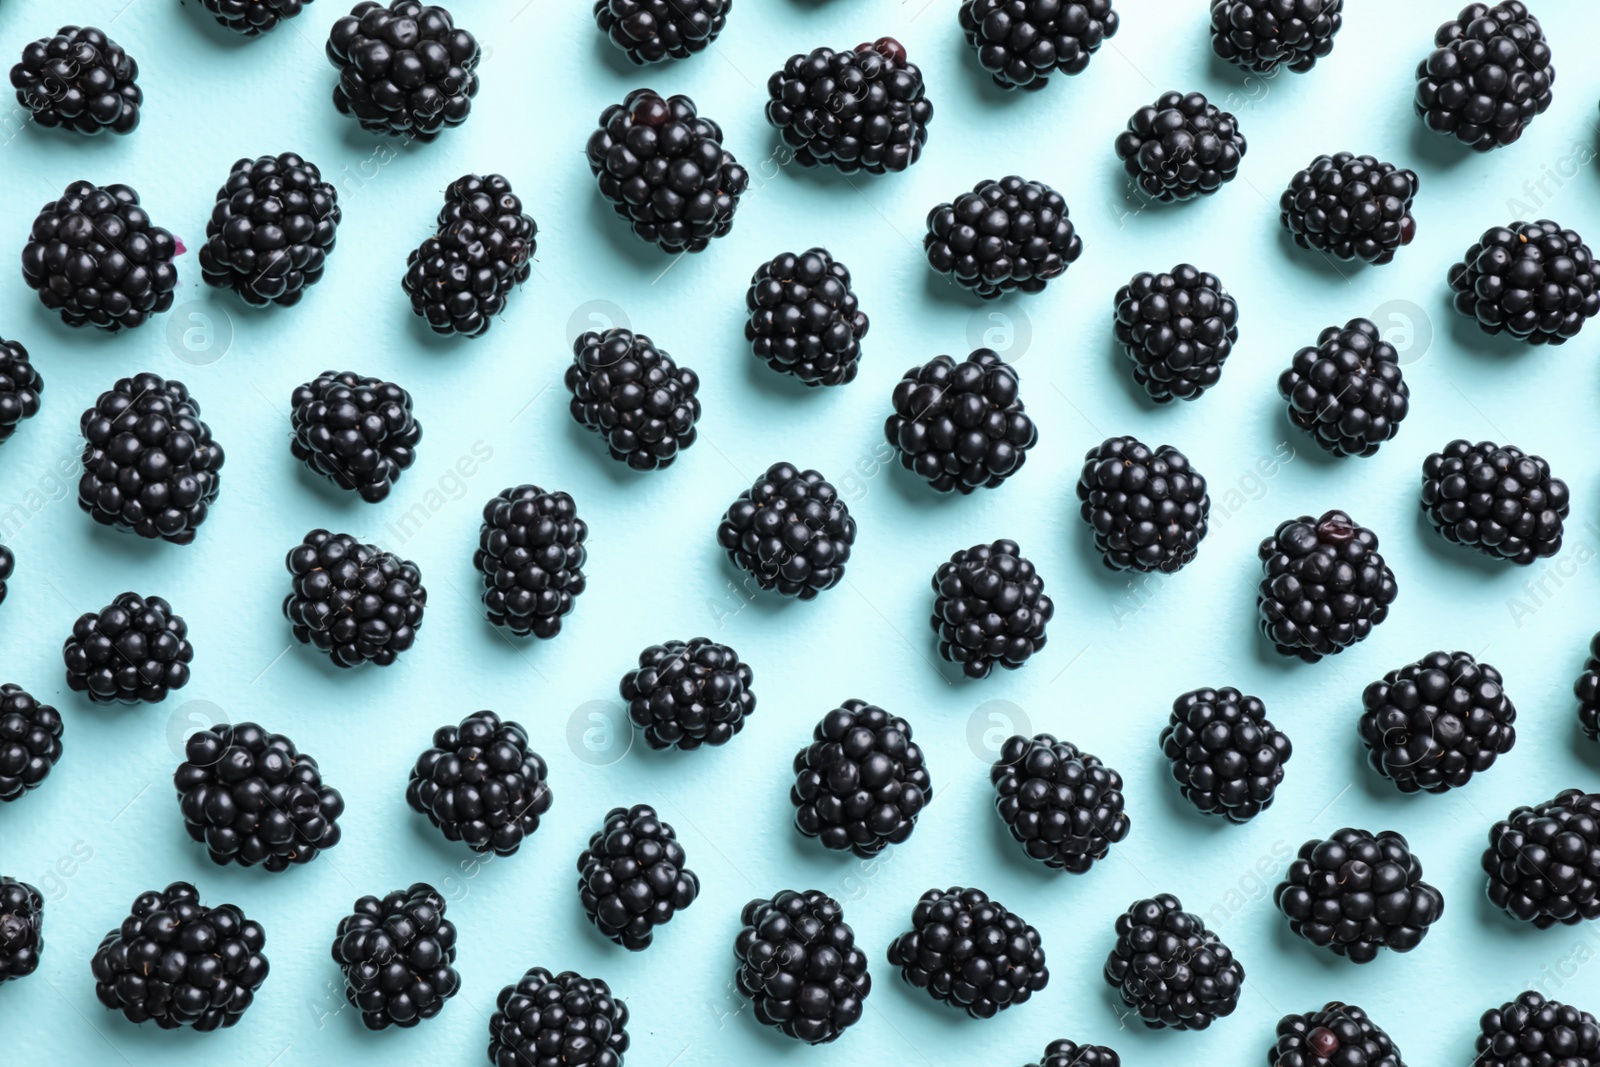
1543, 861
1350, 207
862, 781
271, 229
176, 962
1148, 507
253, 17
1533, 280
632, 878
81, 80
531, 555
21, 929
1487, 77
30, 745
135, 648
1324, 586
687, 694
1356, 893
1226, 755
1431, 725
799, 965
649, 31
805, 319
94, 257
1499, 500
1181, 147
8, 563
634, 395
396, 955
962, 426
458, 280
661, 166
556, 1020
790, 532
989, 608
20, 386
1064, 1053
1262, 35
1170, 968
355, 602
1022, 42
861, 109
1007, 235
404, 68
1587, 690
1347, 390
251, 797
970, 952
1061, 804
1177, 329
1534, 1032
355, 431
481, 784
1340, 1034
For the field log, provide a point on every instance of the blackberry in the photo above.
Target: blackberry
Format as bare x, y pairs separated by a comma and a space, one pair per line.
970, 952
458, 280
1533, 280
8, 563
1534, 1032
1496, 499
1226, 755
962, 426
531, 555
253, 17
135, 648
1064, 1053
862, 781
790, 532
355, 431
176, 962
685, 694
271, 229
80, 80
1543, 861
800, 967
1356, 893
1170, 968
1022, 42
661, 166
805, 319
556, 1020
1148, 507
396, 954
1324, 586
481, 784
251, 797
356, 602
94, 257
1587, 689
1263, 35
1010, 235
1181, 147
1347, 390
864, 109
1061, 804
1177, 329
649, 31
30, 745
1340, 1033
989, 608
21, 929
20, 386
1350, 207
404, 68
635, 396
1487, 77
1431, 725
632, 878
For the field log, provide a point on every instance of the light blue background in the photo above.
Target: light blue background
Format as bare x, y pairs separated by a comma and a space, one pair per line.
105, 826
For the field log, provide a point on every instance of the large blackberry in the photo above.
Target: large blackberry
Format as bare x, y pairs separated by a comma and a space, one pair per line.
649, 31
253, 17
1226, 755
805, 319
1487, 77
1177, 329
30, 745
20, 386
1181, 147
632, 878
970, 952
271, 229
962, 426
355, 602
1347, 390
558, 1020
860, 109
251, 797
1148, 507
790, 532
1356, 893
685, 694
1532, 1031
355, 431
1022, 42
1064, 1053
404, 68
662, 167
862, 781
989, 608
21, 929
634, 395
81, 80
481, 784
531, 555
135, 648
396, 955
1263, 35
1007, 235
1586, 689
1431, 725
1170, 968
799, 965
94, 257
1533, 280
1350, 207
1324, 586
1497, 499
1543, 861
458, 279
176, 962
1061, 804
1340, 1035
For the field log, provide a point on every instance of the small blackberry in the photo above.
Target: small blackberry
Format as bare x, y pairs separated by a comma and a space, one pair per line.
1587, 690
1533, 280
272, 227
8, 563
1431, 725
1543, 861
355, 431
133, 649
1022, 42
1004, 236
355, 602
557, 1020
1356, 893
1226, 755
1148, 507
94, 257
396, 955
800, 967
687, 694
1170, 968
634, 395
790, 532
632, 878
481, 784
176, 962
1347, 390
860, 109
970, 952
805, 319
1061, 804
989, 608
20, 386
1263, 35
253, 17
531, 555
81, 80
251, 797
1534, 1032
21, 929
862, 781
1499, 500
1181, 147
30, 745
1177, 329
404, 68
962, 426
1324, 586
458, 280
649, 31
1340, 1034
661, 166
1487, 77
1350, 207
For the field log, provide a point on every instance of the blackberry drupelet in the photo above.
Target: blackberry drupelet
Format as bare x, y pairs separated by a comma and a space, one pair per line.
135, 648
558, 1020
1004, 236
685, 694
1350, 207
176, 962
30, 745
862, 781
531, 555
863, 109
94, 257
1148, 507
355, 431
1533, 280
1532, 1031
396, 954
989, 608
20, 386
1324, 586
481, 784
632, 878
458, 280
1340, 1035
356, 602
1181, 147
1543, 861
271, 229
1022, 42
1061, 804
21, 929
1263, 35
805, 319
649, 31
404, 68
1347, 390
970, 952
1497, 499
1431, 725
1487, 77
800, 967
962, 426
8, 563
1226, 755
634, 395
80, 80
1170, 968
251, 797
253, 17
1587, 690
1356, 893
1064, 1053
1177, 329
790, 532
661, 166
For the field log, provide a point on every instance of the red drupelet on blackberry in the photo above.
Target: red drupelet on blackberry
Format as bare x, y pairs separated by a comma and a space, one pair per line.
969, 952
989, 608
1533, 1031
1533, 280
397, 954
80, 80
634, 395
1022, 42
253, 17
94, 258
531, 555
271, 229
1060, 803
1543, 861
649, 31
1264, 35
21, 929
1350, 207
1324, 586
1356, 893
550, 1020
962, 426
685, 694
790, 532
134, 649
20, 386
1497, 499
481, 784
458, 280
1431, 725
355, 431
1487, 77
1226, 755
1177, 329
858, 110
30, 745
800, 967
805, 319
404, 68
862, 782
1181, 147
1339, 1035
1170, 968
632, 878
356, 602
1010, 235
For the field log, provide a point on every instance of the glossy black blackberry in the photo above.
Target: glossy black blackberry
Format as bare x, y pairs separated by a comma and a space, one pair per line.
805, 319
1226, 755
177, 962
396, 954
989, 608
661, 166
685, 694
1010, 235
1061, 804
1543, 861
20, 386
1356, 893
1532, 1031
1177, 329
790, 532
862, 109
355, 431
634, 395
271, 229
80, 80
1324, 586
969, 952
404, 68
1347, 390
649, 31
459, 279
531, 555
1340, 1035
1064, 1053
862, 781
800, 967
356, 602
1350, 207
1487, 77
632, 878
1022, 42
21, 929
962, 426
252, 18
1181, 147
253, 798
1586, 689
1533, 280
1264, 35
557, 1020
30, 745
1148, 507
1431, 725
135, 648
1170, 968
94, 258
8, 563
1496, 499
481, 784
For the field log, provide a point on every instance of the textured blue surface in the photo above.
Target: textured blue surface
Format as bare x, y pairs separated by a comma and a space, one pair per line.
105, 826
